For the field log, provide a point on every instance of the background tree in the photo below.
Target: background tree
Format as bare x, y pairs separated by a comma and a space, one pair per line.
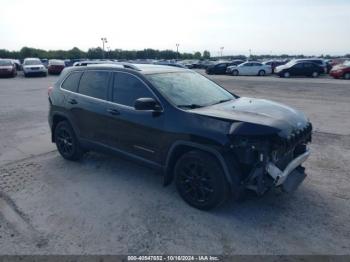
206, 54
95, 53
197, 55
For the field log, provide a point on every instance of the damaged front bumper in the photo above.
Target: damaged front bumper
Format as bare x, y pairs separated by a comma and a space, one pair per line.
292, 176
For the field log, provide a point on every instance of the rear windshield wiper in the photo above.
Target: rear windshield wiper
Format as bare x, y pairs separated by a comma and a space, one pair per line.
192, 106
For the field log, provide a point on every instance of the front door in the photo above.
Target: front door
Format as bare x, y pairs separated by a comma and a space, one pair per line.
132, 131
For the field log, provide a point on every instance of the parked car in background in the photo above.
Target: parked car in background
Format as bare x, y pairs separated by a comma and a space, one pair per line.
295, 68
341, 70
92, 62
220, 146
45, 62
17, 64
33, 66
203, 64
68, 62
56, 66
318, 61
249, 68
218, 68
166, 63
237, 62
337, 61
7, 68
190, 64
273, 64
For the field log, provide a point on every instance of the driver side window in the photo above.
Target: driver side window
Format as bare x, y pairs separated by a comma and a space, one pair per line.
127, 88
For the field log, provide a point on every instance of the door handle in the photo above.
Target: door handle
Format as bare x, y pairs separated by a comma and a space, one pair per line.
72, 101
114, 112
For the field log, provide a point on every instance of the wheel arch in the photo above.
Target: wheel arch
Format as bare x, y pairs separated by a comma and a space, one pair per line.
181, 147
58, 117
235, 70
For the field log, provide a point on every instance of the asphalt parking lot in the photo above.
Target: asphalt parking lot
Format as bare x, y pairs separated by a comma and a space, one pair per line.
107, 205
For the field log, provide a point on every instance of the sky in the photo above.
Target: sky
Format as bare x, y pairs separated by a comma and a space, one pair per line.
310, 27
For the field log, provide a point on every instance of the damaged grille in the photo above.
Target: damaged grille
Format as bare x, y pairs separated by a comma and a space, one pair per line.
299, 136
288, 148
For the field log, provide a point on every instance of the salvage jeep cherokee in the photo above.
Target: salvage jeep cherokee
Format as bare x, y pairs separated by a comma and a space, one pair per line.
210, 142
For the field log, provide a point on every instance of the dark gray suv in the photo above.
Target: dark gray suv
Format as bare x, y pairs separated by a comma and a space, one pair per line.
211, 142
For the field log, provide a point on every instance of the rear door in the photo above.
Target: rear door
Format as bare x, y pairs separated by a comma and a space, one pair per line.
136, 132
255, 68
297, 69
88, 106
309, 68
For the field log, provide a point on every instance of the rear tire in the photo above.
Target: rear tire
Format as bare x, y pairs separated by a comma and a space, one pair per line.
200, 180
262, 73
347, 76
67, 142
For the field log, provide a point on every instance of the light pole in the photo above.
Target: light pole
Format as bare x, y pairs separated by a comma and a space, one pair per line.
177, 51
104, 41
108, 52
250, 53
221, 49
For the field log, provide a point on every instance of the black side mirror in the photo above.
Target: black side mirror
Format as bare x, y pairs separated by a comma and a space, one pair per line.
147, 103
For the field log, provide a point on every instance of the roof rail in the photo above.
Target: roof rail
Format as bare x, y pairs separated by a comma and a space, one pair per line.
128, 65
122, 64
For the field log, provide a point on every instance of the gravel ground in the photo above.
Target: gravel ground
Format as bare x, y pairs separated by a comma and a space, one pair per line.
107, 205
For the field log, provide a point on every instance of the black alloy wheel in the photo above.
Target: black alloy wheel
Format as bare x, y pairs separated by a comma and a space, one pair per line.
66, 141
200, 180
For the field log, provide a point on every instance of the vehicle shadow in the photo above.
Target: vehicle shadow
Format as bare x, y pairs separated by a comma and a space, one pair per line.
305, 201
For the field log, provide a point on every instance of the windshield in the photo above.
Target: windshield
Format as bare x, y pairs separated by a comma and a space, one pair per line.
347, 63
189, 89
32, 62
5, 63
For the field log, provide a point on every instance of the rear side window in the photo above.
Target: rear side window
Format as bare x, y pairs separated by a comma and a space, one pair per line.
94, 84
72, 81
127, 88
300, 65
319, 62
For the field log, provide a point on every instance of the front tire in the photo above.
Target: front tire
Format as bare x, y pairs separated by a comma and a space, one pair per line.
314, 74
235, 72
347, 76
200, 180
66, 142
286, 74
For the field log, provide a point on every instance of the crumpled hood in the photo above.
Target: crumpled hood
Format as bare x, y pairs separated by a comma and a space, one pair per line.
258, 111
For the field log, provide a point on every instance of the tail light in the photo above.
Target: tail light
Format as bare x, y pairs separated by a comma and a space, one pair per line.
49, 90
